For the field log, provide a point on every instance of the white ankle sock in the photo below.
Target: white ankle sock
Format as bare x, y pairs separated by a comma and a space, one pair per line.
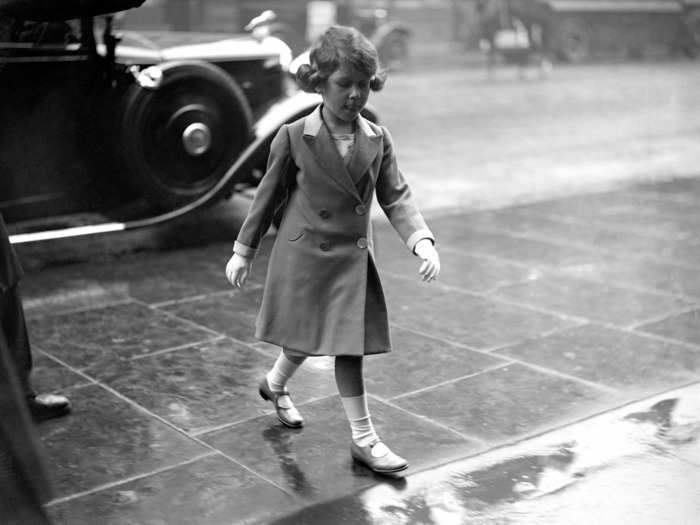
363, 432
281, 371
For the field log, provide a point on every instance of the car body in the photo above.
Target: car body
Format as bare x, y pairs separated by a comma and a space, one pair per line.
105, 131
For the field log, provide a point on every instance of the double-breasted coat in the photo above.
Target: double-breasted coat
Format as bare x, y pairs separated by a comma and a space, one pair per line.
322, 294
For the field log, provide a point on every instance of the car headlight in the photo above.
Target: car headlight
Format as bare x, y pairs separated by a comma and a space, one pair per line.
284, 53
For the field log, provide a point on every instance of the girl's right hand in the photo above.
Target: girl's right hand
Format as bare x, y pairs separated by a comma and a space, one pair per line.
237, 270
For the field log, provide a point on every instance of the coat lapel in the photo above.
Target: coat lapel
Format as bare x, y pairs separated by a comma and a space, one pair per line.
318, 139
366, 149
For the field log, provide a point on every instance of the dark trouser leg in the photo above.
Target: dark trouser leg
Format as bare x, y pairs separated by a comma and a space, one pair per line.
15, 329
23, 484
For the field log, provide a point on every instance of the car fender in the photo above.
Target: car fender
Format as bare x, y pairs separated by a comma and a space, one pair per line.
264, 129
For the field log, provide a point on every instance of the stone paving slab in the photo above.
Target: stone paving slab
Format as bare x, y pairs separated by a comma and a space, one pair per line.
205, 385
595, 301
615, 358
507, 403
84, 339
314, 463
529, 328
208, 490
639, 464
106, 439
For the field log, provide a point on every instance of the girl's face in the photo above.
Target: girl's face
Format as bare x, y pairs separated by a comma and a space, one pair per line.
345, 93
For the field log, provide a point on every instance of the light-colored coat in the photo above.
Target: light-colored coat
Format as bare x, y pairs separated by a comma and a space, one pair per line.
321, 278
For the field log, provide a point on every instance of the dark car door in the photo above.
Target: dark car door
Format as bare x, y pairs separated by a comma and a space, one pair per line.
48, 82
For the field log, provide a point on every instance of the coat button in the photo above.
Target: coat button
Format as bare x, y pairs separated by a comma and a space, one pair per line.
360, 209
325, 246
324, 214
362, 243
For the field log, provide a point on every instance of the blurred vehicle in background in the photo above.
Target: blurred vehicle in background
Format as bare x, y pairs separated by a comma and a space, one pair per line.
296, 22
390, 37
576, 30
105, 131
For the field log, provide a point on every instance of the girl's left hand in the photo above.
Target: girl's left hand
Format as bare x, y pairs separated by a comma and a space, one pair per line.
430, 268
237, 270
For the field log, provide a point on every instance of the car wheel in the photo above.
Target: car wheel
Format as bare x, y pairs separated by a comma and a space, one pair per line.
393, 51
574, 40
179, 138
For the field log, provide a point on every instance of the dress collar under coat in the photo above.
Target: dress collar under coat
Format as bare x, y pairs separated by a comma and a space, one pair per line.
367, 143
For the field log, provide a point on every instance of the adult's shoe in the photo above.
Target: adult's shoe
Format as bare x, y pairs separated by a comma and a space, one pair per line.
48, 406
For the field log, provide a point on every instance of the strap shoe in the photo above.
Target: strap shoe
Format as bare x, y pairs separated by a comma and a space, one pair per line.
286, 411
377, 457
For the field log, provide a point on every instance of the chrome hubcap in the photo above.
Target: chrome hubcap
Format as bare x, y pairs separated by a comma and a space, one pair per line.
196, 139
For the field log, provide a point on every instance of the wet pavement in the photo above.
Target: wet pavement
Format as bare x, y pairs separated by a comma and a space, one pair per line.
547, 314
639, 464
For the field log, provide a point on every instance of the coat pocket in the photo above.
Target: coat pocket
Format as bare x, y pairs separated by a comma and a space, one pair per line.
295, 237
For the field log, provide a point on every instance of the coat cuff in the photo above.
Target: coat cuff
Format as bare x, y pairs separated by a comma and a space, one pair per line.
243, 250
423, 233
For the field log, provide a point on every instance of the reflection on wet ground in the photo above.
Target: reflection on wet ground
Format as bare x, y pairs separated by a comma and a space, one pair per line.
640, 465
546, 314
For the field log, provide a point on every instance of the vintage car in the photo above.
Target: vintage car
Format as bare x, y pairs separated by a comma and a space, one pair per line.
576, 30
105, 131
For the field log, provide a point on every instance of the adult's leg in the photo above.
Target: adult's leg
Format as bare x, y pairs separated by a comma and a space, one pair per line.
15, 329
23, 484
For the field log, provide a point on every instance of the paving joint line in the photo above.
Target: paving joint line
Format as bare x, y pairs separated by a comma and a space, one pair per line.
494, 298
81, 309
466, 437
435, 386
558, 242
182, 319
179, 347
647, 335
664, 316
265, 413
543, 268
199, 297
607, 226
665, 339
536, 337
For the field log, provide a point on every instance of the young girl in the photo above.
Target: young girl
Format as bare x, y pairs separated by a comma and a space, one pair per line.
322, 295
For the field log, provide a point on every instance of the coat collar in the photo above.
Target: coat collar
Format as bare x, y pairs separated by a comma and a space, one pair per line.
314, 122
318, 138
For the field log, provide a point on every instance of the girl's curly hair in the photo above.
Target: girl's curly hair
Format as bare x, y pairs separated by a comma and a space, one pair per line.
340, 44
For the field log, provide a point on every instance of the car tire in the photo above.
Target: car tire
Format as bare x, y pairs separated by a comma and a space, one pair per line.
574, 40
181, 137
